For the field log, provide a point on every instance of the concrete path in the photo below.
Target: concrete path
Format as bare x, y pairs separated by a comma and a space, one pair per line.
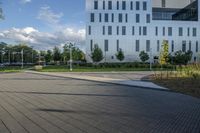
33, 103
122, 78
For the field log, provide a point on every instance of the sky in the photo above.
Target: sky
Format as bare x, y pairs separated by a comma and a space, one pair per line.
43, 24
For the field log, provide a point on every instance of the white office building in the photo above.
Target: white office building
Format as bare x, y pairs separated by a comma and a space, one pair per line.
142, 25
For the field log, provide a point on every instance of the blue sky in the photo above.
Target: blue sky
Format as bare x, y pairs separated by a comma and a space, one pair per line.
43, 23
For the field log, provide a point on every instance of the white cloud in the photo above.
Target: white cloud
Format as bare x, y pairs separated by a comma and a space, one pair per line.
25, 1
44, 40
47, 15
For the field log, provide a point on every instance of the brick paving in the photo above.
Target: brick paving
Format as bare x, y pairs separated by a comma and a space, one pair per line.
31, 103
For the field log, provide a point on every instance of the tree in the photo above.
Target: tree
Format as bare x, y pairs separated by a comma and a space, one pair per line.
164, 54
56, 54
143, 56
97, 54
49, 56
120, 55
181, 58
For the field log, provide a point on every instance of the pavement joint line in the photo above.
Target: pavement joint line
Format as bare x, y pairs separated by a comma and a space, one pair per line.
103, 81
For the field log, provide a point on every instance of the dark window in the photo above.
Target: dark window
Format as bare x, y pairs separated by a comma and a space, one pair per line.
109, 5
117, 30
140, 30
103, 30
163, 4
180, 31
109, 30
137, 46
120, 18
106, 45
133, 30
117, 45
104, 4
92, 17
91, 45
106, 17
117, 5
137, 5
137, 18
169, 31
112, 17
99, 17
172, 46
158, 45
126, 18
163, 31
131, 5
190, 46
156, 32
188, 31
144, 5
148, 45
123, 5
95, 5
144, 31
184, 46
148, 18
123, 30
89, 30
197, 46
194, 32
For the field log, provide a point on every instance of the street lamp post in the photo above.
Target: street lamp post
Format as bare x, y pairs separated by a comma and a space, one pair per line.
71, 69
22, 54
150, 61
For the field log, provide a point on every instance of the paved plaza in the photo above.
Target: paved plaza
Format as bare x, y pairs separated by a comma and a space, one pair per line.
33, 103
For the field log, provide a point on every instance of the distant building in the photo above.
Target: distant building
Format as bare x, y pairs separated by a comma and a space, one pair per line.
135, 25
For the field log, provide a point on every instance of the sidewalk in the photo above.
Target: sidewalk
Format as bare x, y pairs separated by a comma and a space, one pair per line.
129, 79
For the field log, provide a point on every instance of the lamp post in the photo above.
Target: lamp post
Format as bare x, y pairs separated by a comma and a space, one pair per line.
150, 60
71, 69
22, 56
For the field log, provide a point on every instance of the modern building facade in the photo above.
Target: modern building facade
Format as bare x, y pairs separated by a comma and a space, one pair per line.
142, 25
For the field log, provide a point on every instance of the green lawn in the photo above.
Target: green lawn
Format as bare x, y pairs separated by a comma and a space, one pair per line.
10, 69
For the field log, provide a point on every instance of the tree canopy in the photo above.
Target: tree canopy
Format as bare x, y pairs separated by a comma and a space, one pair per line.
97, 54
120, 55
143, 56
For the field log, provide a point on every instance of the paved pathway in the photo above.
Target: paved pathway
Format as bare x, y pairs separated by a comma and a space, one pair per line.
31, 103
121, 78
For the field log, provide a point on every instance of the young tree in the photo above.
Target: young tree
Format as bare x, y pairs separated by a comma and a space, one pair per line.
97, 54
56, 54
48, 56
143, 56
120, 55
164, 54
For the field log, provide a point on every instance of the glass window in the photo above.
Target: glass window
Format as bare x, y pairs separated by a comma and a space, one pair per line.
180, 31
96, 5
169, 31
123, 30
126, 18
92, 17
99, 17
172, 46
109, 30
197, 46
89, 30
144, 5
120, 18
112, 17
109, 5
137, 5
145, 31
184, 46
137, 46
117, 5
106, 17
104, 5
163, 31
194, 32
137, 18
156, 31
148, 45
158, 45
133, 30
117, 45
123, 5
190, 46
163, 3
103, 30
140, 30
117, 30
148, 19
91, 45
106, 45
188, 31
131, 6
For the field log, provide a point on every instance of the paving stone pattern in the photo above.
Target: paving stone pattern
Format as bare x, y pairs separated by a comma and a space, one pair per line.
31, 103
